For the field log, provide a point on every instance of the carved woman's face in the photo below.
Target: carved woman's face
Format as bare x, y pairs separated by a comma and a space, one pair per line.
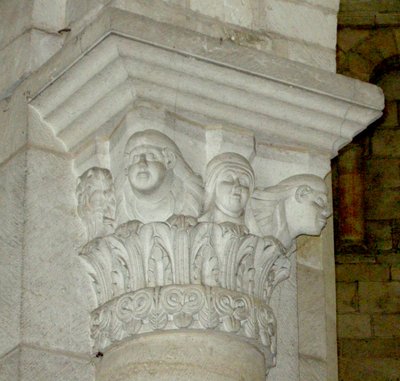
147, 169
315, 211
232, 191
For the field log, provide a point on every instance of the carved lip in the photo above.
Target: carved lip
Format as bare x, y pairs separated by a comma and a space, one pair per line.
143, 174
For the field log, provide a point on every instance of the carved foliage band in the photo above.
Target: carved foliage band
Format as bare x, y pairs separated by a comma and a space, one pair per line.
189, 307
158, 254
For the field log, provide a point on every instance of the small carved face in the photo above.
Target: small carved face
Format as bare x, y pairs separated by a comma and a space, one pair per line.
147, 169
102, 201
232, 191
315, 211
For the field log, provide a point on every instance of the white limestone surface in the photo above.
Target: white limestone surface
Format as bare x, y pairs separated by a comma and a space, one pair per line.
210, 96
12, 197
182, 356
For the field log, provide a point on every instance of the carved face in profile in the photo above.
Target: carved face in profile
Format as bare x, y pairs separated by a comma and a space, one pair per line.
313, 208
232, 191
297, 205
147, 169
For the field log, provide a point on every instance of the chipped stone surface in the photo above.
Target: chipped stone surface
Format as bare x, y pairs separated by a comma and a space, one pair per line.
37, 364
12, 197
9, 365
55, 314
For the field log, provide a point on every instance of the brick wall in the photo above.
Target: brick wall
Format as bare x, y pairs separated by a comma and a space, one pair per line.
368, 232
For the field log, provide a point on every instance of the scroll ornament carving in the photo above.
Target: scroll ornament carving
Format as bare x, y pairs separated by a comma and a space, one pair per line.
167, 265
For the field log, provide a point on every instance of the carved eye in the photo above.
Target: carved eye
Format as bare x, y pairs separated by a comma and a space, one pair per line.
150, 156
244, 181
135, 159
320, 202
228, 177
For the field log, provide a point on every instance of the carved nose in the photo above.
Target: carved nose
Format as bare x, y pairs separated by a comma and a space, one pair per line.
326, 212
142, 159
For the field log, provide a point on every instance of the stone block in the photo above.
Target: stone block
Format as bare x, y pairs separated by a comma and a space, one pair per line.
13, 124
386, 325
349, 38
316, 56
9, 366
346, 297
208, 8
354, 326
16, 16
301, 22
75, 9
37, 364
396, 33
362, 272
369, 369
14, 60
308, 252
57, 297
288, 329
349, 257
382, 204
23, 55
379, 297
369, 348
359, 65
386, 143
383, 173
49, 14
312, 369
44, 45
379, 234
312, 318
390, 85
238, 12
390, 115
380, 44
389, 258
395, 272
331, 4
12, 194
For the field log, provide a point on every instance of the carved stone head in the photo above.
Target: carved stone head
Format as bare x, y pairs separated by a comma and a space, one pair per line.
308, 210
161, 183
297, 205
150, 158
229, 184
96, 201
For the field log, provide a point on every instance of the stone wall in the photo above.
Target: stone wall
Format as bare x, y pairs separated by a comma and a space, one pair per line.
368, 258
40, 28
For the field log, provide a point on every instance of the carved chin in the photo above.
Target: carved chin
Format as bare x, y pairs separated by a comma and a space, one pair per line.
321, 222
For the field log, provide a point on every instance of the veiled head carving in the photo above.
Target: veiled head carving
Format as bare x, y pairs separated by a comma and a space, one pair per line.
96, 201
159, 183
228, 186
297, 205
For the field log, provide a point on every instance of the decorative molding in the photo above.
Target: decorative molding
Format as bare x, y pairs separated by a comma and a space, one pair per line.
314, 110
186, 307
